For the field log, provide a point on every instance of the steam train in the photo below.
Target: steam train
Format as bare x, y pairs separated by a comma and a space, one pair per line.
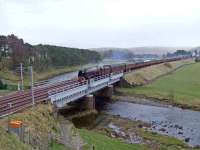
107, 69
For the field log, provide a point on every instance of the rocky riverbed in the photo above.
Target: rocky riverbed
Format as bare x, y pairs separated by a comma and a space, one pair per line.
131, 118
164, 119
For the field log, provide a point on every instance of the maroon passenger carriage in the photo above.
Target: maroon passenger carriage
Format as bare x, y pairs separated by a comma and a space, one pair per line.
108, 69
23, 99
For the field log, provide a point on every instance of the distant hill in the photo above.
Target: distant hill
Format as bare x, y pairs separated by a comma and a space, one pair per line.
14, 51
195, 48
145, 50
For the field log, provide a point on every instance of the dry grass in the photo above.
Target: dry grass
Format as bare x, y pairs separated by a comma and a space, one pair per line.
39, 123
13, 79
4, 92
145, 75
51, 72
11, 142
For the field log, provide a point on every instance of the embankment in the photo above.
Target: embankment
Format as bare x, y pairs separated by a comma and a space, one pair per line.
41, 131
148, 74
175, 83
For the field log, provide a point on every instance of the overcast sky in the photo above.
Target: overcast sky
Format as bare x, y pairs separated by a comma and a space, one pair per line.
103, 23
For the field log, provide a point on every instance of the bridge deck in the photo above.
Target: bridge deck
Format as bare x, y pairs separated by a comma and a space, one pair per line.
63, 95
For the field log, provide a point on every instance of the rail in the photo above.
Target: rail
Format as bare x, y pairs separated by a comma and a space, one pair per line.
76, 87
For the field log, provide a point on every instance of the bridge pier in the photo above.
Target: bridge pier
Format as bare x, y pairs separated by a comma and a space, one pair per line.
106, 92
89, 102
109, 91
123, 83
120, 83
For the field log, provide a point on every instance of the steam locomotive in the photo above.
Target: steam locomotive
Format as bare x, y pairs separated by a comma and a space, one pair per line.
108, 69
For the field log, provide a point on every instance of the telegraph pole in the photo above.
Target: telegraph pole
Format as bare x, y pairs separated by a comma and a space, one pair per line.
32, 85
10, 105
21, 74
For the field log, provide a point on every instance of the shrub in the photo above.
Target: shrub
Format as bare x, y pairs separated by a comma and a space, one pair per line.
2, 85
197, 59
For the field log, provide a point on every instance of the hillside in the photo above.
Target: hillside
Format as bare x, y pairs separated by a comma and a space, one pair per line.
47, 61
125, 55
14, 51
157, 50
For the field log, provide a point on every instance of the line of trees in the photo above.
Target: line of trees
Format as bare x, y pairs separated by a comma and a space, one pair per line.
14, 51
179, 53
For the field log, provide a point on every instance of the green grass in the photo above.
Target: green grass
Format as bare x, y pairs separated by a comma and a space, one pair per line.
163, 141
159, 142
56, 146
144, 75
10, 141
4, 92
181, 87
39, 122
153, 140
50, 72
12, 79
102, 142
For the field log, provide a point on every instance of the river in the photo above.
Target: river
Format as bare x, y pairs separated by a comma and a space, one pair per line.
164, 119
168, 120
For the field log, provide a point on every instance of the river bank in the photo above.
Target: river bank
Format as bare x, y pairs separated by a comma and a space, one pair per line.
164, 119
137, 122
42, 130
103, 130
142, 123
127, 122
179, 88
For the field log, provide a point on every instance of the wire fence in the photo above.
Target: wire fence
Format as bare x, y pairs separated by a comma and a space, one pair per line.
39, 141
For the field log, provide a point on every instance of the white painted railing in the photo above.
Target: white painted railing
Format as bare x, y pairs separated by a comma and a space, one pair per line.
63, 95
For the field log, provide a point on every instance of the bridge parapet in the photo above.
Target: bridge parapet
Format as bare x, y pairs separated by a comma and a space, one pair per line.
67, 87
99, 80
63, 95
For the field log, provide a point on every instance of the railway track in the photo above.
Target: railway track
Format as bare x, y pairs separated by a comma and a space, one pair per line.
20, 100
23, 99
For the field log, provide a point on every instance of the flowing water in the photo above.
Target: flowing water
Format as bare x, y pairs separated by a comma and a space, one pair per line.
168, 120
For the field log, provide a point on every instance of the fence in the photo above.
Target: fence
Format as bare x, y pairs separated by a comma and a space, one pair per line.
39, 141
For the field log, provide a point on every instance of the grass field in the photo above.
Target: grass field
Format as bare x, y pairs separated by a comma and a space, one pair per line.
99, 141
180, 87
50, 72
102, 142
152, 140
4, 92
56, 146
12, 78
